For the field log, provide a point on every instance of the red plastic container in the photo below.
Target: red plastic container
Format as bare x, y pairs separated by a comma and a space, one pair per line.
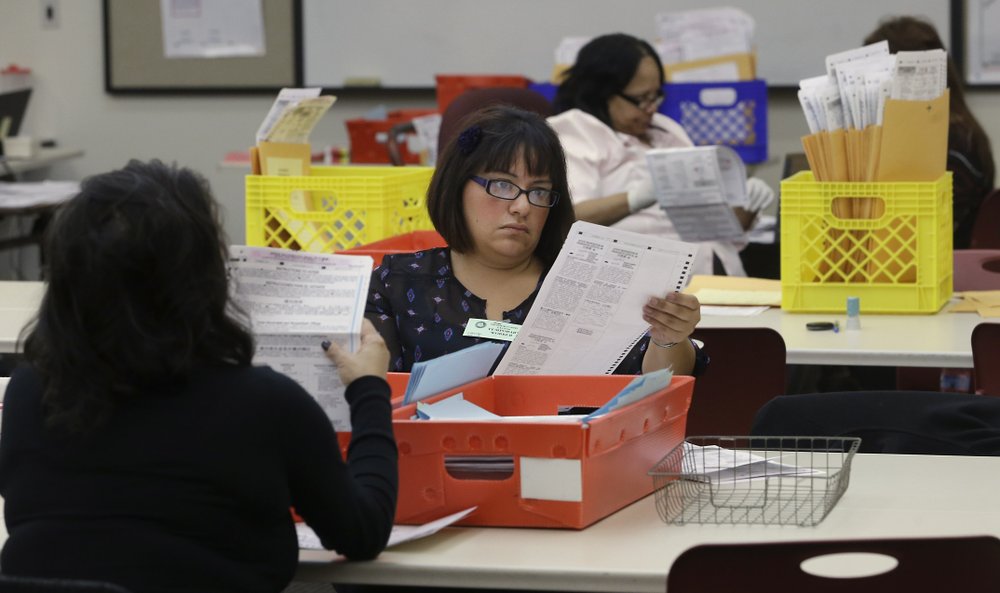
369, 137
406, 243
450, 86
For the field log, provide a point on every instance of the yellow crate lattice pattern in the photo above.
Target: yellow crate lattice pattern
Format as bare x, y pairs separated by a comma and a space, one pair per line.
898, 260
336, 208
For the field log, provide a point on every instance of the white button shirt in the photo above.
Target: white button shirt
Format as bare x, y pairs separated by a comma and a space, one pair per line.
601, 161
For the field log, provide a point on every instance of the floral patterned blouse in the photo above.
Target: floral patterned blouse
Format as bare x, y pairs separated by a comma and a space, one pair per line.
421, 308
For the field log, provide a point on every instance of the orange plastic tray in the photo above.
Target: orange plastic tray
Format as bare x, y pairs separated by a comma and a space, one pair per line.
608, 460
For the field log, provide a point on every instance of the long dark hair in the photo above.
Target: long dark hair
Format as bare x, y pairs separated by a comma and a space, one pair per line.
137, 295
604, 66
493, 139
907, 33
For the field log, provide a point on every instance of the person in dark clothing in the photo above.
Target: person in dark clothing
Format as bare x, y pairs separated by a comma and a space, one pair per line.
141, 447
500, 198
970, 156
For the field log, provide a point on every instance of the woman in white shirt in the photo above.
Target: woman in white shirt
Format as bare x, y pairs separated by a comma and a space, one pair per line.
606, 121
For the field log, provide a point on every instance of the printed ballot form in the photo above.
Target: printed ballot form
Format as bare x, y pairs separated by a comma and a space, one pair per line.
295, 300
698, 187
588, 313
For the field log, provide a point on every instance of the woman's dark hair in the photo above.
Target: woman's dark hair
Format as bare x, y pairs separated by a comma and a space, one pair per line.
907, 33
603, 68
137, 295
494, 139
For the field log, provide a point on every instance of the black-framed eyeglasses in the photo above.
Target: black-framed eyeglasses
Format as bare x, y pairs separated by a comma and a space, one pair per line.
644, 102
506, 190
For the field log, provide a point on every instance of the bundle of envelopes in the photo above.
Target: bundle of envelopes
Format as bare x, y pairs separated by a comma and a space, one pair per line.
875, 117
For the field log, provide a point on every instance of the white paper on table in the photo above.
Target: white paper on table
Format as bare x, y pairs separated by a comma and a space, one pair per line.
400, 533
731, 311
720, 466
698, 187
295, 300
26, 194
588, 313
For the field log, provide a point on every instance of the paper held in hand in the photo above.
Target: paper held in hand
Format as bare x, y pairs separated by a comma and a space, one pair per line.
588, 313
698, 188
295, 300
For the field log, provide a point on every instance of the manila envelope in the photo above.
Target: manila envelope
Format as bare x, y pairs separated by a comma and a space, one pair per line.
278, 158
745, 66
914, 140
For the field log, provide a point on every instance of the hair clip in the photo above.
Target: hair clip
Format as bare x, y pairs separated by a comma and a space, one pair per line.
468, 140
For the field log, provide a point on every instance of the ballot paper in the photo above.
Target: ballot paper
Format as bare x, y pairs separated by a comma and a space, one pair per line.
588, 313
308, 540
698, 188
295, 300
721, 466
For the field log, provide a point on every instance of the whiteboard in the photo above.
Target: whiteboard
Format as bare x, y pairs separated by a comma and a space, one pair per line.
404, 43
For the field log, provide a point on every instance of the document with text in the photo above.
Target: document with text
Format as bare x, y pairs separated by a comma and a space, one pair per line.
698, 187
588, 313
295, 300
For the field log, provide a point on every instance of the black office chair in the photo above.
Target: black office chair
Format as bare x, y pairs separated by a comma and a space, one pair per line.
922, 422
968, 564
19, 584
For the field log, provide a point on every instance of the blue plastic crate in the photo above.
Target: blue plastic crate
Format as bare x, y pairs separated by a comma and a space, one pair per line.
733, 114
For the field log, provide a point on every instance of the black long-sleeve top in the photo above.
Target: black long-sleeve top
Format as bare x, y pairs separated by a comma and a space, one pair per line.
188, 487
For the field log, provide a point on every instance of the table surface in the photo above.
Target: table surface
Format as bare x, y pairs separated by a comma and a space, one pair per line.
632, 550
941, 340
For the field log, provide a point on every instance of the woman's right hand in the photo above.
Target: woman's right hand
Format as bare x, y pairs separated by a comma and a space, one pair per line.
372, 358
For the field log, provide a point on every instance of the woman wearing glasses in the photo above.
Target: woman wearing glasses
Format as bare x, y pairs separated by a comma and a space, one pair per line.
607, 120
499, 198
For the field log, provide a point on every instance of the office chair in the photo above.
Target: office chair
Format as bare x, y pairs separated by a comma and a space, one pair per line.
974, 269
968, 564
916, 422
985, 349
746, 370
475, 99
18, 584
986, 228
977, 269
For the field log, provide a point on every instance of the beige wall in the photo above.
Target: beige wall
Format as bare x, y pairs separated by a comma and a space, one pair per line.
71, 106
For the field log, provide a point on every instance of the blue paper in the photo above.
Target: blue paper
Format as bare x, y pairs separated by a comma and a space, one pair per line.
446, 372
638, 388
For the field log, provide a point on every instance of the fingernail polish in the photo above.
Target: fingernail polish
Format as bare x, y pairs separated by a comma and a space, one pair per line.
325, 344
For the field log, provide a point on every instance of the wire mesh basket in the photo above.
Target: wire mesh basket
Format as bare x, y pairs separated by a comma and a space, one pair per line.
779, 480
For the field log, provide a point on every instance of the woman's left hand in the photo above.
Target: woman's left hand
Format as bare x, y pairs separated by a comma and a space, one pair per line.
672, 318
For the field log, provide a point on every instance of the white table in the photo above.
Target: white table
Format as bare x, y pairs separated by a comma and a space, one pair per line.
632, 550
940, 340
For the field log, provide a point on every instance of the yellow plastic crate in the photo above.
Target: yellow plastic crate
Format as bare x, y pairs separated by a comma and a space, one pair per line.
336, 208
887, 243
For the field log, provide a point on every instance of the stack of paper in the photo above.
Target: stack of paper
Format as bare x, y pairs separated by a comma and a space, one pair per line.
446, 372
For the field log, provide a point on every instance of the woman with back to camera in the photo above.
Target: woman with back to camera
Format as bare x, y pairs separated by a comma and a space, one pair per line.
140, 447
499, 198
607, 119
970, 157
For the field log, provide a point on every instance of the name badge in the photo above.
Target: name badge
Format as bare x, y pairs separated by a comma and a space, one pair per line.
491, 330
